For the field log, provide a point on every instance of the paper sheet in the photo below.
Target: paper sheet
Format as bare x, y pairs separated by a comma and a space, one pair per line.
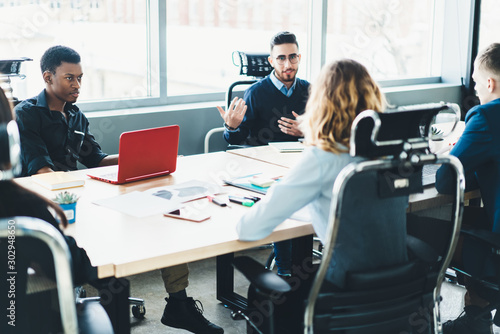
139, 204
186, 191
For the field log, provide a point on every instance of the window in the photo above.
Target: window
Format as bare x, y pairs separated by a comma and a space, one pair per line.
202, 34
154, 52
112, 38
393, 39
489, 24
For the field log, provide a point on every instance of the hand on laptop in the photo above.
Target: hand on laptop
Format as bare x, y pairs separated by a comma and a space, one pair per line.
290, 126
233, 116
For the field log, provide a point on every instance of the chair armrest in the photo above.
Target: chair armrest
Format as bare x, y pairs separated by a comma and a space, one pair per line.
262, 279
492, 238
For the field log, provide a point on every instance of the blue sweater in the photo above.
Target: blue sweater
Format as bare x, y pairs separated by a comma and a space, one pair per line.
478, 151
265, 105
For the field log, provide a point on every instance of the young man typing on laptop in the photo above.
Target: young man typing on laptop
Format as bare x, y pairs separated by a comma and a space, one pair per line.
55, 135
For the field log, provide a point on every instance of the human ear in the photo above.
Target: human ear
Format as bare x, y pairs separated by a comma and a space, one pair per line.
47, 77
270, 60
491, 85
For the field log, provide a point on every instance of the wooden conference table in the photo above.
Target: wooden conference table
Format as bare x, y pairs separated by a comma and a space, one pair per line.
120, 245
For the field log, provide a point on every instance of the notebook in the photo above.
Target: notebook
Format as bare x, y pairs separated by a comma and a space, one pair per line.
287, 146
142, 154
57, 180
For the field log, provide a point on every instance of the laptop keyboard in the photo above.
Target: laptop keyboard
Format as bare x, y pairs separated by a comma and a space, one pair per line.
110, 176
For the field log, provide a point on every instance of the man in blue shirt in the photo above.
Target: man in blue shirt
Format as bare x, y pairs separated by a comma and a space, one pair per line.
55, 135
478, 150
269, 107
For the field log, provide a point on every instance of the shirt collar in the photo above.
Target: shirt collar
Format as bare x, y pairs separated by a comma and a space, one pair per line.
281, 86
41, 101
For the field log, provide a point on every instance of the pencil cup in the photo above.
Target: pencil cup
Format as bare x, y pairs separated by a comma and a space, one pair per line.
69, 212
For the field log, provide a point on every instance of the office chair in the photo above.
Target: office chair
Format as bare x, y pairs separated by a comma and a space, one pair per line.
74, 318
10, 68
138, 304
254, 66
389, 298
488, 287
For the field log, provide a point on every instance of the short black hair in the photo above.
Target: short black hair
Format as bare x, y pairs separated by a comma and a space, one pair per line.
283, 37
55, 55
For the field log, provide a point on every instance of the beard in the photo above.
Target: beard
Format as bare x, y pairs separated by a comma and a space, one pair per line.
286, 77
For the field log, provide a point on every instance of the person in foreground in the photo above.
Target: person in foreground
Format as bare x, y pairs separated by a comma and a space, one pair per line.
55, 135
268, 112
477, 150
343, 90
18, 201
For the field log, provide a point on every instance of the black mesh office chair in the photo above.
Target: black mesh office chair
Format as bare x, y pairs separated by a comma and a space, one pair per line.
16, 233
390, 298
254, 66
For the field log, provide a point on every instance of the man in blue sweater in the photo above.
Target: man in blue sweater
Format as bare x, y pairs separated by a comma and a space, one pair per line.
269, 107
268, 112
478, 151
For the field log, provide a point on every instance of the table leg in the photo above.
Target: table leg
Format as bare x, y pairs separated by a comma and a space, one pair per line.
301, 259
225, 284
114, 293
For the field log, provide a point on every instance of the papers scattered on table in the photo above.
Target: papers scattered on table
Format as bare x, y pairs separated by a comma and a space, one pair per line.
161, 199
287, 146
57, 180
139, 204
187, 191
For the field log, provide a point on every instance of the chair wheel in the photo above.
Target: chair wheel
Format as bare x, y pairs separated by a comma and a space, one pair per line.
139, 312
237, 315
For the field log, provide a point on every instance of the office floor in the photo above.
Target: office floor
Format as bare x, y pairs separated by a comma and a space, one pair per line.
149, 286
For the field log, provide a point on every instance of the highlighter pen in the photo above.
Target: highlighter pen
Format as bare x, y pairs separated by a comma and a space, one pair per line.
240, 200
216, 201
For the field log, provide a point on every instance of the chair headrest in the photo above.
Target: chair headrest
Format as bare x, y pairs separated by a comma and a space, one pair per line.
376, 134
252, 64
12, 66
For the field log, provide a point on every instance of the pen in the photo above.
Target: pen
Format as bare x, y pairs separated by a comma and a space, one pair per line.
253, 198
241, 200
216, 201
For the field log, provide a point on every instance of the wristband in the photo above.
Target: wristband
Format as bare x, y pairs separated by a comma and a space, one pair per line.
229, 128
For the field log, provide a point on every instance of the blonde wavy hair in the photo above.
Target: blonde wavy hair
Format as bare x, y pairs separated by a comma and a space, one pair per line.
343, 89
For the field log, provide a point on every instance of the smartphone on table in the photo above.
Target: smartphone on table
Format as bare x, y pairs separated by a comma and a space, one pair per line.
188, 213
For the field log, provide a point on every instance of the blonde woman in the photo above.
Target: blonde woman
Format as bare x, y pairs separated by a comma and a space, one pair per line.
343, 90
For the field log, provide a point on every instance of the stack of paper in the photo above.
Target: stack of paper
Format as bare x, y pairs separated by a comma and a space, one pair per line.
287, 146
57, 180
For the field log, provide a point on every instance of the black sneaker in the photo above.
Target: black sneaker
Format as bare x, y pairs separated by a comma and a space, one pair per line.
467, 323
186, 314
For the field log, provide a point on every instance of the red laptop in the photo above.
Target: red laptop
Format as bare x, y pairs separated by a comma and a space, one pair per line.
142, 154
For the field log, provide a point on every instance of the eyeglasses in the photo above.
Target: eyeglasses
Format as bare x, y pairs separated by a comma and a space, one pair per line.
293, 59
